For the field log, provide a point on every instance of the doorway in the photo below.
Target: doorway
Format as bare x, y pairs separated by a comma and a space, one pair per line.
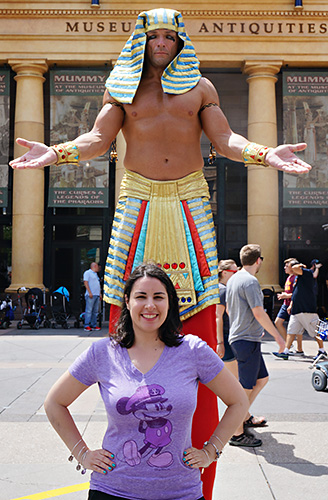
227, 182
70, 262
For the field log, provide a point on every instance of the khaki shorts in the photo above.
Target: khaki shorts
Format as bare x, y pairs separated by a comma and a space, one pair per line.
303, 321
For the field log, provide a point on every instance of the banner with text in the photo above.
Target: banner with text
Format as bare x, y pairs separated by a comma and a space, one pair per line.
4, 135
76, 99
305, 119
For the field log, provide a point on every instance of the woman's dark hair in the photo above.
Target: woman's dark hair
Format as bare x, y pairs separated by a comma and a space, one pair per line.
170, 330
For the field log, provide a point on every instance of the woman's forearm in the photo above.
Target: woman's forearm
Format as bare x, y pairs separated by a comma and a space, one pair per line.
63, 423
233, 416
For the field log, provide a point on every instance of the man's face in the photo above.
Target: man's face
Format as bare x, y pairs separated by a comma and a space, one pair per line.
162, 47
288, 268
259, 264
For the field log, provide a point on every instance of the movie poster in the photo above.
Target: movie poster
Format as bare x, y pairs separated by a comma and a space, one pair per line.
4, 136
76, 99
305, 119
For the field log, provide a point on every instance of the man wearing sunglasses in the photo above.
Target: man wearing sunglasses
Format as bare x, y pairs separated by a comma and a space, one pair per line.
248, 320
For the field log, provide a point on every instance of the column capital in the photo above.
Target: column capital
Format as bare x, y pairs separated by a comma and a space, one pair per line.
29, 67
261, 68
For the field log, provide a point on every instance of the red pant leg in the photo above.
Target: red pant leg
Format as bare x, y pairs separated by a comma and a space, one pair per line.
114, 315
206, 417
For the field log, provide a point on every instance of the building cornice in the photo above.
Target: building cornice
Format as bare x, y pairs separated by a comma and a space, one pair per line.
208, 14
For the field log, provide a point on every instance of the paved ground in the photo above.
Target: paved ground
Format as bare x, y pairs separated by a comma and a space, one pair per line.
291, 464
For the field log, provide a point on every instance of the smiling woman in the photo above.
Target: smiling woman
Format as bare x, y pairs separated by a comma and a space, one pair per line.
150, 305
148, 375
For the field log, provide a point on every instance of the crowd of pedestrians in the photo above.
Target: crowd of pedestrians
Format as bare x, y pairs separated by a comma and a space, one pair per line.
302, 309
242, 320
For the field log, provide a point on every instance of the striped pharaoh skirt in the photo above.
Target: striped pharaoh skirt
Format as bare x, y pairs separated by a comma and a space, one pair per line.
171, 224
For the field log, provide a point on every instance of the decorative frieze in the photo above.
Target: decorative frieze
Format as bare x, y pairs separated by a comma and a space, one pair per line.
117, 24
186, 13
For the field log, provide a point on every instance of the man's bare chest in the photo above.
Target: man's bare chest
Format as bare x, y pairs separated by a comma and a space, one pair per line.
157, 104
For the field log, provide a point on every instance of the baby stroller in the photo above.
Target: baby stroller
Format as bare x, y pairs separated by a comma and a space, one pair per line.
60, 308
6, 312
35, 311
320, 374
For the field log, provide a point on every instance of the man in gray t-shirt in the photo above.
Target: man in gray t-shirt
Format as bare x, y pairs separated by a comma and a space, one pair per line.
244, 294
248, 320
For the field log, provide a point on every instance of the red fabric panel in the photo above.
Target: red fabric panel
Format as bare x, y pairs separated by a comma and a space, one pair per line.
135, 239
206, 416
114, 315
201, 258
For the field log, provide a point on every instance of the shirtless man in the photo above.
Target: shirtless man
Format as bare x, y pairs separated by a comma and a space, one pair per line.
162, 128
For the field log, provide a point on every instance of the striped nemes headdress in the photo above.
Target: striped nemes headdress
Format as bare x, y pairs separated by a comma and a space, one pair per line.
180, 76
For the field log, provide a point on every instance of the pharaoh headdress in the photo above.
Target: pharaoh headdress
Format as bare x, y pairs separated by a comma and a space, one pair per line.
180, 76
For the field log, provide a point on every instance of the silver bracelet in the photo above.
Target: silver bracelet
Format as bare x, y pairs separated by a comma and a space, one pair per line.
85, 451
208, 457
217, 437
79, 466
71, 457
79, 453
217, 451
84, 470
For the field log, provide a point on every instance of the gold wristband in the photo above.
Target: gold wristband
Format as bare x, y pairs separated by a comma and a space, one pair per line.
67, 152
254, 154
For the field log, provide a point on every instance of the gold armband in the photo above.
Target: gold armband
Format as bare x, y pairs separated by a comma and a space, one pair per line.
67, 152
255, 154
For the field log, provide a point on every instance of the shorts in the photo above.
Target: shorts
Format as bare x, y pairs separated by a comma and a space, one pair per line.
283, 314
98, 495
303, 321
228, 352
251, 366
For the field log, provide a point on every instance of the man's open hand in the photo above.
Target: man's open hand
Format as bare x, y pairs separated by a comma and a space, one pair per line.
38, 155
283, 158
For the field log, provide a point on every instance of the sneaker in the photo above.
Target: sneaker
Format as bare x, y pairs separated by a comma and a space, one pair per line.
96, 328
246, 440
320, 353
296, 353
88, 329
281, 355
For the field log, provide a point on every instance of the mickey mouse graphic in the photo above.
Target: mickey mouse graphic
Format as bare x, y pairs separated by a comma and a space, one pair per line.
151, 409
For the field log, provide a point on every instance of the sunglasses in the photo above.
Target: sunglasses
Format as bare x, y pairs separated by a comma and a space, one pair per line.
230, 271
262, 259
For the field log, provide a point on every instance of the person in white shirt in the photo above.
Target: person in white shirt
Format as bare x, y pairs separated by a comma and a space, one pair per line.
92, 297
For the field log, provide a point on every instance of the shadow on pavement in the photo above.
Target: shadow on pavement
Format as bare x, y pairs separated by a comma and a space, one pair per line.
282, 455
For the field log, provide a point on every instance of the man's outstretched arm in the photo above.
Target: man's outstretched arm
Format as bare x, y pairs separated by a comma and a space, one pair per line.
90, 145
297, 269
231, 145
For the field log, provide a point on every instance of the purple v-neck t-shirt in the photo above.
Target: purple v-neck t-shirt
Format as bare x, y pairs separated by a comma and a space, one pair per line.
149, 417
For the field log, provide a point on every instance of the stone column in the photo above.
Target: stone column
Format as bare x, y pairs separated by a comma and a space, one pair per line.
28, 185
262, 196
